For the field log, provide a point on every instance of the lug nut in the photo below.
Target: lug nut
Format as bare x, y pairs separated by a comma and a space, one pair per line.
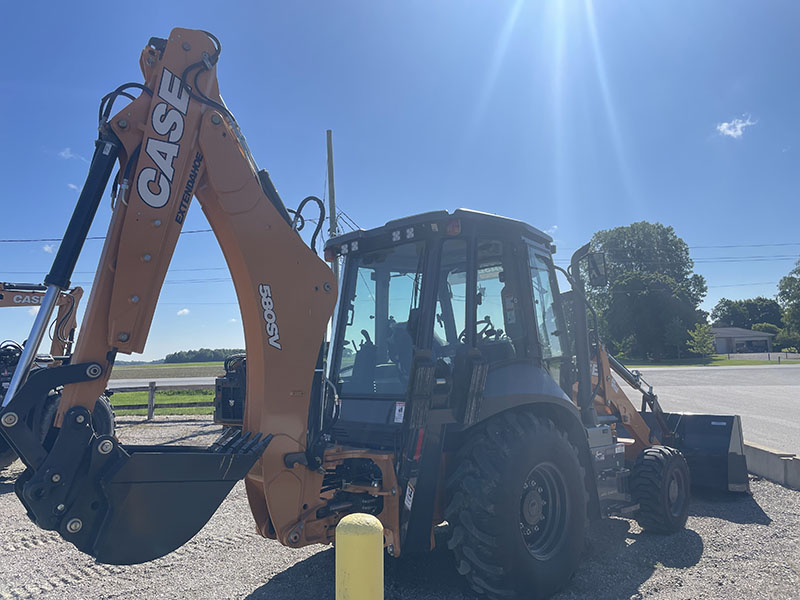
93, 371
215, 119
186, 46
74, 525
124, 337
105, 446
60, 508
55, 478
80, 419
134, 299
157, 222
10, 419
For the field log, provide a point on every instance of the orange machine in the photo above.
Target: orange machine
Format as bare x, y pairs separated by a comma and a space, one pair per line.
31, 295
449, 393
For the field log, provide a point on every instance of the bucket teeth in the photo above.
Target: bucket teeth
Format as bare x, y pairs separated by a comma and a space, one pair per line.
235, 441
228, 436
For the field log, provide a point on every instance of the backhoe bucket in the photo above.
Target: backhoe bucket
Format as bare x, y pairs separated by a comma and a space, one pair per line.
713, 447
131, 504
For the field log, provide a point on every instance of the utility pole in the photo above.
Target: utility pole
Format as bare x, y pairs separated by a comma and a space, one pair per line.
332, 229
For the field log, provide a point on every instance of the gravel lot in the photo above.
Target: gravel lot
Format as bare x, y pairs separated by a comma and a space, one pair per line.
733, 547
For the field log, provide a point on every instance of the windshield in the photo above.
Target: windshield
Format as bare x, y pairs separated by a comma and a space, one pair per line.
381, 312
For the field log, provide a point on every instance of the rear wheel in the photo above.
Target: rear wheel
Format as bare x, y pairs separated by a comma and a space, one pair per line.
103, 417
517, 506
660, 483
103, 422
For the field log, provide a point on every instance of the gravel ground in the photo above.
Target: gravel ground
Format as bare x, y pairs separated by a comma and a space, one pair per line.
733, 547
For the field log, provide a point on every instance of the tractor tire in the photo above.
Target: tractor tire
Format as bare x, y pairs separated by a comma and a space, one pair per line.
7, 455
661, 484
103, 417
517, 507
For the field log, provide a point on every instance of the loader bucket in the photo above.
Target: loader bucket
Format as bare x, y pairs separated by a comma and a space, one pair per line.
713, 447
130, 504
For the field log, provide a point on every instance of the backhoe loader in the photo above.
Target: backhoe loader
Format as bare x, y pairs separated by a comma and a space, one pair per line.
456, 389
29, 295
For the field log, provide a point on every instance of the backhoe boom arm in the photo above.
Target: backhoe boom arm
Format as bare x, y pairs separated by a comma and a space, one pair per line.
176, 140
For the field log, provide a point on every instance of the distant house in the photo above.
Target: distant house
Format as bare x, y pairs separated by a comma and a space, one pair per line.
729, 340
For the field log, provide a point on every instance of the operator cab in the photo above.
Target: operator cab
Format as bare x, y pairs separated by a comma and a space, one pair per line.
435, 310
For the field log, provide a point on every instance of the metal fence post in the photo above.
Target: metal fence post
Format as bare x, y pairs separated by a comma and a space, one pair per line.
151, 401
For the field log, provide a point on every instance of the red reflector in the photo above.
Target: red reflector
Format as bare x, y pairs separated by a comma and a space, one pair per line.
330, 255
454, 227
420, 437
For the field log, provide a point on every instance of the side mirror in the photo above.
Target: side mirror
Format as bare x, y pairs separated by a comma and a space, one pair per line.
597, 269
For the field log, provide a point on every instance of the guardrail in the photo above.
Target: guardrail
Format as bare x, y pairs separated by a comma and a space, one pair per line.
151, 405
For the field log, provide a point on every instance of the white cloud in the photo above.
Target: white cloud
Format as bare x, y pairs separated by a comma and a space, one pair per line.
48, 248
233, 320
551, 231
736, 127
33, 310
67, 153
72, 186
182, 312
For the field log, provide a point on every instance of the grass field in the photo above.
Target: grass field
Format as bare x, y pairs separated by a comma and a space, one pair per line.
717, 360
121, 399
204, 369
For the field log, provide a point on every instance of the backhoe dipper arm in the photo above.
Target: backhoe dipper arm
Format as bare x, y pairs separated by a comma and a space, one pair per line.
174, 141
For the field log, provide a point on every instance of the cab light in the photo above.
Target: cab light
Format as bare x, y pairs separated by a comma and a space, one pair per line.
454, 227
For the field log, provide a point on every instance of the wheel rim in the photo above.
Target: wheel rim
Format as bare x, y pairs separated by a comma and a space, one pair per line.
676, 493
543, 510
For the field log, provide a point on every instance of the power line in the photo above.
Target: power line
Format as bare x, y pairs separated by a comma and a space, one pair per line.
91, 237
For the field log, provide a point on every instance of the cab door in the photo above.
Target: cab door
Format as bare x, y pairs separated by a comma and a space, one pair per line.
550, 325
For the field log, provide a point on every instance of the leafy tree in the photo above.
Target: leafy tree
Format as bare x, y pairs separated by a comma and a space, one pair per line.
789, 297
650, 284
746, 313
729, 313
675, 334
701, 340
766, 328
787, 339
201, 355
650, 248
642, 306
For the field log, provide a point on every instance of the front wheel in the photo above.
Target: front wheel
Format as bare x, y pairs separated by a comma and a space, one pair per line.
660, 483
517, 506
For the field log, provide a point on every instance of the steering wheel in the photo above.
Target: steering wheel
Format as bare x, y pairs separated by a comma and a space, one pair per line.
485, 334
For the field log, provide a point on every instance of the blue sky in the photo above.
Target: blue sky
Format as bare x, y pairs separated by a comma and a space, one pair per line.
572, 116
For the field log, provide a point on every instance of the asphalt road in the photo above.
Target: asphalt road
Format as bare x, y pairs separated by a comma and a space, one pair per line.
767, 397
116, 384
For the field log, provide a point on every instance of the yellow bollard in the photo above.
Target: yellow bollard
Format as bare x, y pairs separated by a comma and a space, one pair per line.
359, 558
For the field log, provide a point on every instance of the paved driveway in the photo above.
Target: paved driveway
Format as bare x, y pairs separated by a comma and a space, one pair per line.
767, 398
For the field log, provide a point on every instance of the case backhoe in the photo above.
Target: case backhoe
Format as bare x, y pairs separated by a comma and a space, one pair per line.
460, 387
30, 295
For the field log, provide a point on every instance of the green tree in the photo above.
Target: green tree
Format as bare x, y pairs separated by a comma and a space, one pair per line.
787, 339
201, 355
789, 297
650, 283
766, 328
675, 335
701, 340
746, 313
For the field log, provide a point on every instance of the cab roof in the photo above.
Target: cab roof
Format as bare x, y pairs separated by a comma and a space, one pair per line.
475, 217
